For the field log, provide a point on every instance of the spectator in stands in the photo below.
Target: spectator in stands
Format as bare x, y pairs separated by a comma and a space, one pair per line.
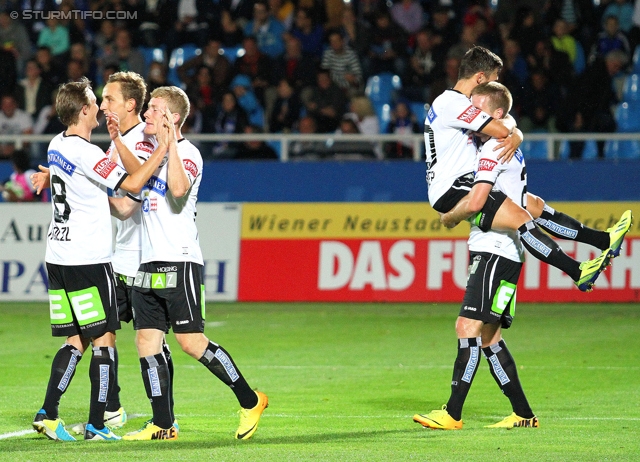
75, 70
55, 36
230, 118
387, 50
256, 65
51, 71
326, 103
305, 148
409, 15
156, 78
14, 121
355, 31
350, 149
448, 80
311, 35
47, 120
105, 38
8, 71
286, 109
15, 39
124, 55
255, 149
343, 64
230, 33
563, 41
19, 187
426, 63
623, 11
106, 73
239, 10
202, 92
33, 93
515, 72
539, 104
283, 11
403, 122
78, 51
468, 38
443, 26
192, 25
294, 66
241, 87
155, 19
610, 38
218, 65
75, 24
588, 106
526, 31
556, 65
34, 24
365, 116
267, 30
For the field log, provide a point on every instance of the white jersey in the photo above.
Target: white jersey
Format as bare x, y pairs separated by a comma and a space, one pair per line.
448, 138
170, 232
80, 231
511, 179
128, 248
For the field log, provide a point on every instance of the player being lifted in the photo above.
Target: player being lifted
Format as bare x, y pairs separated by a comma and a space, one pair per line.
169, 286
495, 264
451, 162
78, 257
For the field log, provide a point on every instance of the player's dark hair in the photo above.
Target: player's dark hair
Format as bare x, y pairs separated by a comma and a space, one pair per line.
499, 95
479, 59
72, 97
132, 86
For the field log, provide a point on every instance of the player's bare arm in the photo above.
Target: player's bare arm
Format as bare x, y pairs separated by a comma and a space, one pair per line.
123, 207
40, 180
468, 206
134, 182
130, 162
177, 179
508, 135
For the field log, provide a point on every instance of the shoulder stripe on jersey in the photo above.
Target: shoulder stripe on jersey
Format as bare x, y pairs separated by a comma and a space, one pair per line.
485, 124
135, 199
116, 187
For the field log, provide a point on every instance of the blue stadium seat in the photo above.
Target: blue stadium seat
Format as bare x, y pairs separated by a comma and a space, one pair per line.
534, 149
627, 116
383, 111
177, 59
381, 88
151, 55
420, 110
626, 149
232, 53
630, 90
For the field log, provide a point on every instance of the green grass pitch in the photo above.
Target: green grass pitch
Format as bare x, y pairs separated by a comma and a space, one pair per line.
344, 381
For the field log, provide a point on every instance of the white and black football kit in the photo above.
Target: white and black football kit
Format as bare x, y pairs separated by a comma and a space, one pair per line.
170, 282
128, 241
495, 257
450, 149
81, 283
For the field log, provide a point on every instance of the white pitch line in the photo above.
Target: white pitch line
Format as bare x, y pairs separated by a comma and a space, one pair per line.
19, 433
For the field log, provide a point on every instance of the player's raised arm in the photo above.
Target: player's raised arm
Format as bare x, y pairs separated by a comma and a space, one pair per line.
130, 162
134, 182
177, 179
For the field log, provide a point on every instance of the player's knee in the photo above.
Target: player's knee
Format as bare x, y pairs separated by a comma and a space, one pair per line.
193, 344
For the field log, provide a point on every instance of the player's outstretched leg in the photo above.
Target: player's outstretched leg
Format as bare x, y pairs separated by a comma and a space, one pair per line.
63, 369
505, 373
252, 403
618, 231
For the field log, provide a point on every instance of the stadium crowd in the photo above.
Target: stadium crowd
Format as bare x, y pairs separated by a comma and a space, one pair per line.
312, 66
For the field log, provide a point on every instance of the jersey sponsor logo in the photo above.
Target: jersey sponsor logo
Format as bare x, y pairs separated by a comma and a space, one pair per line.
55, 158
153, 204
190, 167
104, 167
157, 185
431, 115
144, 146
469, 114
486, 165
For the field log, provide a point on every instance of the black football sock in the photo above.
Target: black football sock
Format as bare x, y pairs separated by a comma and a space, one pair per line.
464, 370
100, 375
157, 383
545, 249
219, 362
565, 227
167, 355
504, 371
113, 400
63, 368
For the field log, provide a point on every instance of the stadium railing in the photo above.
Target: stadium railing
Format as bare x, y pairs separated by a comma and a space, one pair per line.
327, 144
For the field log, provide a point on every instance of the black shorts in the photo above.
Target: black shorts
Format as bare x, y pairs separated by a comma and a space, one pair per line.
123, 295
169, 294
459, 190
491, 289
82, 300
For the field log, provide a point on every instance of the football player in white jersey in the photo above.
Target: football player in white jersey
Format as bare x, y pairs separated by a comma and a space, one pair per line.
495, 263
169, 286
78, 258
451, 162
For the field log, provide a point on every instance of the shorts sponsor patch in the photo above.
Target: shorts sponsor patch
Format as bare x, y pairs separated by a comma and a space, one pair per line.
144, 146
104, 167
486, 165
469, 114
190, 167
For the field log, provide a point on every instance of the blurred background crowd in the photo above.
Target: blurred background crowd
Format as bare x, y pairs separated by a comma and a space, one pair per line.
332, 66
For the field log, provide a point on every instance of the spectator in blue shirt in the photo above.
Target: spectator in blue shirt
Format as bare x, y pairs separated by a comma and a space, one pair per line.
267, 30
